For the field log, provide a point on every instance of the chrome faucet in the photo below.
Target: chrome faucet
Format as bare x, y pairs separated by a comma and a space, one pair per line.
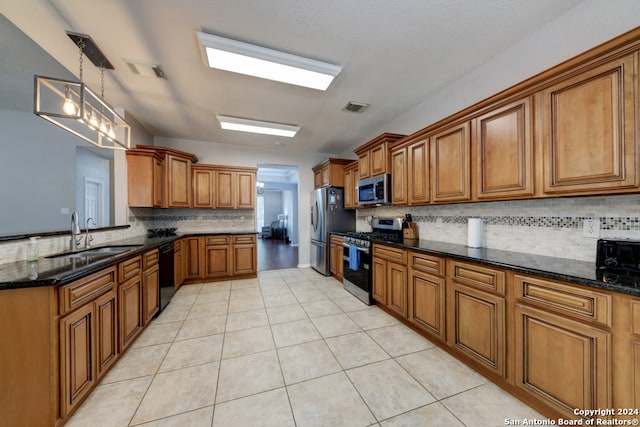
75, 231
88, 237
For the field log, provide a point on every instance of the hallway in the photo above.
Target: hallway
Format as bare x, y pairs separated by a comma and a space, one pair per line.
274, 254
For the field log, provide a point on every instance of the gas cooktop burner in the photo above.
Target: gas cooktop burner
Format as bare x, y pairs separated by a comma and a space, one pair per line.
376, 235
161, 232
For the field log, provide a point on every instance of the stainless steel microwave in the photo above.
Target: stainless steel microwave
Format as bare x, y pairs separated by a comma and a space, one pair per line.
375, 190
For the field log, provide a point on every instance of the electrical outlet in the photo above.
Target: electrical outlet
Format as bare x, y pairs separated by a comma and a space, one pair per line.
438, 222
591, 228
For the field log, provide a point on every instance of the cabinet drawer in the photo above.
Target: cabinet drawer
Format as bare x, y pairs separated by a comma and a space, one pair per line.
337, 240
427, 263
129, 268
392, 254
573, 301
84, 290
149, 259
217, 240
244, 240
478, 276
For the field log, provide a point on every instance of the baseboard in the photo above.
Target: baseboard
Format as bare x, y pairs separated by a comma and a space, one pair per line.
304, 265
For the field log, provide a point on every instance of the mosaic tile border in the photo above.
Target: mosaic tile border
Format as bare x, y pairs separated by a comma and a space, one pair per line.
606, 223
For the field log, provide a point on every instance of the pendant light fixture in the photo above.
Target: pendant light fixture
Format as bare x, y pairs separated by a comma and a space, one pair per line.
75, 108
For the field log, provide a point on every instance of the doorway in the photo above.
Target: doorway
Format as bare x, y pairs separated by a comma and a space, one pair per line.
277, 216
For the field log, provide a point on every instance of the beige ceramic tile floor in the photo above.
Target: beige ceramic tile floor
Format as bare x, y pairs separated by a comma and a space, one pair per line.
290, 348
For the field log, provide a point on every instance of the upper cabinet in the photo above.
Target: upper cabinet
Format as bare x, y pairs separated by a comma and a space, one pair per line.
503, 148
373, 157
329, 173
589, 124
410, 172
165, 178
159, 177
450, 164
351, 185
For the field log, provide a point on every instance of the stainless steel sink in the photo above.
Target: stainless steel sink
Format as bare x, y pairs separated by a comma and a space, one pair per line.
97, 253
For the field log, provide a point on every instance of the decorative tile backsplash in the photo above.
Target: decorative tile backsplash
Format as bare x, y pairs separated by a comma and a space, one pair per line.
550, 227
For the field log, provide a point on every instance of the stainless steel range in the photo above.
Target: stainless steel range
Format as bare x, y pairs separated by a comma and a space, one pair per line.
357, 255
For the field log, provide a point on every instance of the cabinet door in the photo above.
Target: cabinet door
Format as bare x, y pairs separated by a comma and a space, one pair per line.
340, 266
364, 168
589, 122
325, 175
476, 325
399, 173
150, 293
504, 152
426, 303
349, 184
192, 251
333, 259
76, 356
246, 193
158, 182
379, 279
560, 361
397, 288
106, 336
179, 177
378, 160
203, 186
244, 259
317, 179
450, 164
418, 173
129, 300
178, 268
218, 261
224, 189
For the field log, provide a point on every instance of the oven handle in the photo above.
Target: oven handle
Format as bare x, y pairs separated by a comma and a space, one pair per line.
365, 250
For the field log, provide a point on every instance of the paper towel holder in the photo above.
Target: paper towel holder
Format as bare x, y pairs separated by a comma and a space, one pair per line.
474, 232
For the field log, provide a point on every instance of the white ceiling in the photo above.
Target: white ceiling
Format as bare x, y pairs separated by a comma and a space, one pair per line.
395, 53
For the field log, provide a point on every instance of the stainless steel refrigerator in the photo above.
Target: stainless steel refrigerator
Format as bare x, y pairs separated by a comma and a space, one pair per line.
327, 215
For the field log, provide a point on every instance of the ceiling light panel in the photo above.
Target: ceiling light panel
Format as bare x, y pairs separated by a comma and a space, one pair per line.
257, 126
244, 58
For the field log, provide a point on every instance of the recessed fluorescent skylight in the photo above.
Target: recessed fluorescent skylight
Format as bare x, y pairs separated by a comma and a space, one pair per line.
256, 126
257, 61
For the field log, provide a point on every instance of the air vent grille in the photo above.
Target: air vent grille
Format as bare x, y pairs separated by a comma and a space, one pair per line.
355, 107
147, 70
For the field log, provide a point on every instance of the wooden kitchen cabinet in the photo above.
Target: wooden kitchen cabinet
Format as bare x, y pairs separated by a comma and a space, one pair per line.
329, 173
503, 146
450, 164
130, 300
373, 156
178, 264
245, 255
351, 185
476, 313
571, 324
193, 257
159, 174
426, 293
389, 277
145, 179
218, 256
203, 187
150, 285
410, 173
589, 124
106, 320
336, 264
235, 188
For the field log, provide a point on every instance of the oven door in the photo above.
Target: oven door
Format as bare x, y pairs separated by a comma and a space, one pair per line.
358, 282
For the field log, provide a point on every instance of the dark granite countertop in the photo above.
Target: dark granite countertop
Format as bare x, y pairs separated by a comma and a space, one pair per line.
564, 269
61, 270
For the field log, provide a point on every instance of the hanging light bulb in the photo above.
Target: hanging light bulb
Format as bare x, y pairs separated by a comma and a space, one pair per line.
111, 134
69, 107
93, 121
103, 126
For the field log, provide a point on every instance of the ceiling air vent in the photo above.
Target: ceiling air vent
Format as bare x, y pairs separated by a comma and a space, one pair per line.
147, 70
355, 107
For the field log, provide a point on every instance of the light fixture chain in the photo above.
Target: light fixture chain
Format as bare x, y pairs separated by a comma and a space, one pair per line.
80, 48
102, 81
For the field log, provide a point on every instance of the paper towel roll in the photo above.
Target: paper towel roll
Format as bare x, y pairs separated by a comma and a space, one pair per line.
474, 233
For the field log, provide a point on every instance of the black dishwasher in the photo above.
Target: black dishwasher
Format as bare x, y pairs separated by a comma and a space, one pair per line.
166, 279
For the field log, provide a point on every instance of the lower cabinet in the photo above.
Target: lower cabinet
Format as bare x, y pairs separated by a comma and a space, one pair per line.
389, 278
193, 248
563, 344
130, 300
222, 256
426, 293
336, 255
178, 264
106, 315
217, 256
150, 286
245, 255
476, 314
